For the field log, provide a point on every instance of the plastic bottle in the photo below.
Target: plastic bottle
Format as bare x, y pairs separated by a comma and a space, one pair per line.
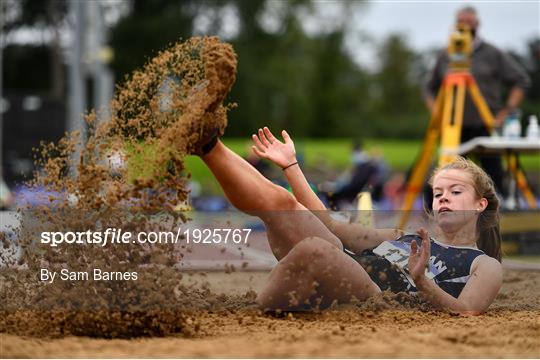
512, 126
533, 131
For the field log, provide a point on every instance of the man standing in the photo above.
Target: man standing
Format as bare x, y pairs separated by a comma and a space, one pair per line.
494, 72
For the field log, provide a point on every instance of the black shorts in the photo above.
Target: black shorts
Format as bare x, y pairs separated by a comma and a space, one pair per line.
383, 273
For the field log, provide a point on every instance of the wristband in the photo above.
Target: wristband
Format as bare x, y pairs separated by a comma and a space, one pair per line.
288, 166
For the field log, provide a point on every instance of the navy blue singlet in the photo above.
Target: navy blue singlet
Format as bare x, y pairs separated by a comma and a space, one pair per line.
451, 266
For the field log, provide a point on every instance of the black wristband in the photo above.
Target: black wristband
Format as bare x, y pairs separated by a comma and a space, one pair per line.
288, 166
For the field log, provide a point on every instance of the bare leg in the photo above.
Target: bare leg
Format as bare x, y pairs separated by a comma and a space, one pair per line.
287, 221
246, 188
313, 271
314, 274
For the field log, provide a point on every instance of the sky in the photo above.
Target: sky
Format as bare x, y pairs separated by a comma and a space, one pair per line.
427, 24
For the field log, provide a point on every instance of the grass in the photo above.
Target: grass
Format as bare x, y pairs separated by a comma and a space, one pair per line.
400, 155
334, 153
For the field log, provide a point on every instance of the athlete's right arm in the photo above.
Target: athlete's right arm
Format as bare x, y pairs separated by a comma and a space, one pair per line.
354, 236
284, 156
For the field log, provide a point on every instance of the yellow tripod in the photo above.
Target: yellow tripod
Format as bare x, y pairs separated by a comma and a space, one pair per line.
446, 121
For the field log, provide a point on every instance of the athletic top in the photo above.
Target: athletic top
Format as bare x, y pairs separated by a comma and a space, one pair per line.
449, 266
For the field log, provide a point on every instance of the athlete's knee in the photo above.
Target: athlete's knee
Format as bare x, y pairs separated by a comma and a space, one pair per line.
312, 251
314, 246
273, 198
281, 199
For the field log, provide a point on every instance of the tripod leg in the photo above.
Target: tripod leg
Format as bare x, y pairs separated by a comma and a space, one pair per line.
523, 185
513, 167
480, 103
520, 180
452, 121
421, 166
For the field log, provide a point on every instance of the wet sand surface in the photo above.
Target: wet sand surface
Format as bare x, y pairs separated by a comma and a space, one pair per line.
511, 328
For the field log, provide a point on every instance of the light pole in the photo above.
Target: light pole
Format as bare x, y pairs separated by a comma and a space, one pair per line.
76, 90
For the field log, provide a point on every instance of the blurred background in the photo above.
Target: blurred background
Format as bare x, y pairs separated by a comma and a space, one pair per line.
343, 77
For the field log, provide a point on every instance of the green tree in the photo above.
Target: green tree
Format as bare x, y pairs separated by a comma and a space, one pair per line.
531, 63
286, 79
149, 27
289, 79
41, 15
339, 90
398, 100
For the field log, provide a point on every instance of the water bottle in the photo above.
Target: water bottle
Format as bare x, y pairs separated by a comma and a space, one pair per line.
533, 131
512, 126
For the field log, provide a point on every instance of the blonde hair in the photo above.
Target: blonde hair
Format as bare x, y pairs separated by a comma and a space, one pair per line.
487, 227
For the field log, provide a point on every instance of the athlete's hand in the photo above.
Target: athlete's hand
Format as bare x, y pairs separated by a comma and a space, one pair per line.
268, 147
418, 259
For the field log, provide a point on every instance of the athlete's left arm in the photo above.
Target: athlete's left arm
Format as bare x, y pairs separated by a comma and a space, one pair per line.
483, 285
481, 289
477, 295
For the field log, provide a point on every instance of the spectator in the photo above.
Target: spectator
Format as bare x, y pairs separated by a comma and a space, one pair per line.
494, 72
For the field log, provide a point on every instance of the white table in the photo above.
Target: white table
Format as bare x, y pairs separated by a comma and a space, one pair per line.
503, 146
499, 145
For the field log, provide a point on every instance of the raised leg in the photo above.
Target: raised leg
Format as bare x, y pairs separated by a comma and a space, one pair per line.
287, 221
246, 188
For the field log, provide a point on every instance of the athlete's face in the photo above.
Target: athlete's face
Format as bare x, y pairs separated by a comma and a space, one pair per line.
455, 202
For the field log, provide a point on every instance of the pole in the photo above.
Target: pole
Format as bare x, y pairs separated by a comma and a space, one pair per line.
1, 93
76, 82
98, 55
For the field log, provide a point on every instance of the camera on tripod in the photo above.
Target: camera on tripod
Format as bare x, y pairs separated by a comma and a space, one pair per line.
460, 48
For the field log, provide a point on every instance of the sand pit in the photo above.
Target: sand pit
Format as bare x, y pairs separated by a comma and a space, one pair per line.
511, 328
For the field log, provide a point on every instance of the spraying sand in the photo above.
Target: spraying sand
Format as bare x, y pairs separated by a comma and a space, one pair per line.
170, 107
